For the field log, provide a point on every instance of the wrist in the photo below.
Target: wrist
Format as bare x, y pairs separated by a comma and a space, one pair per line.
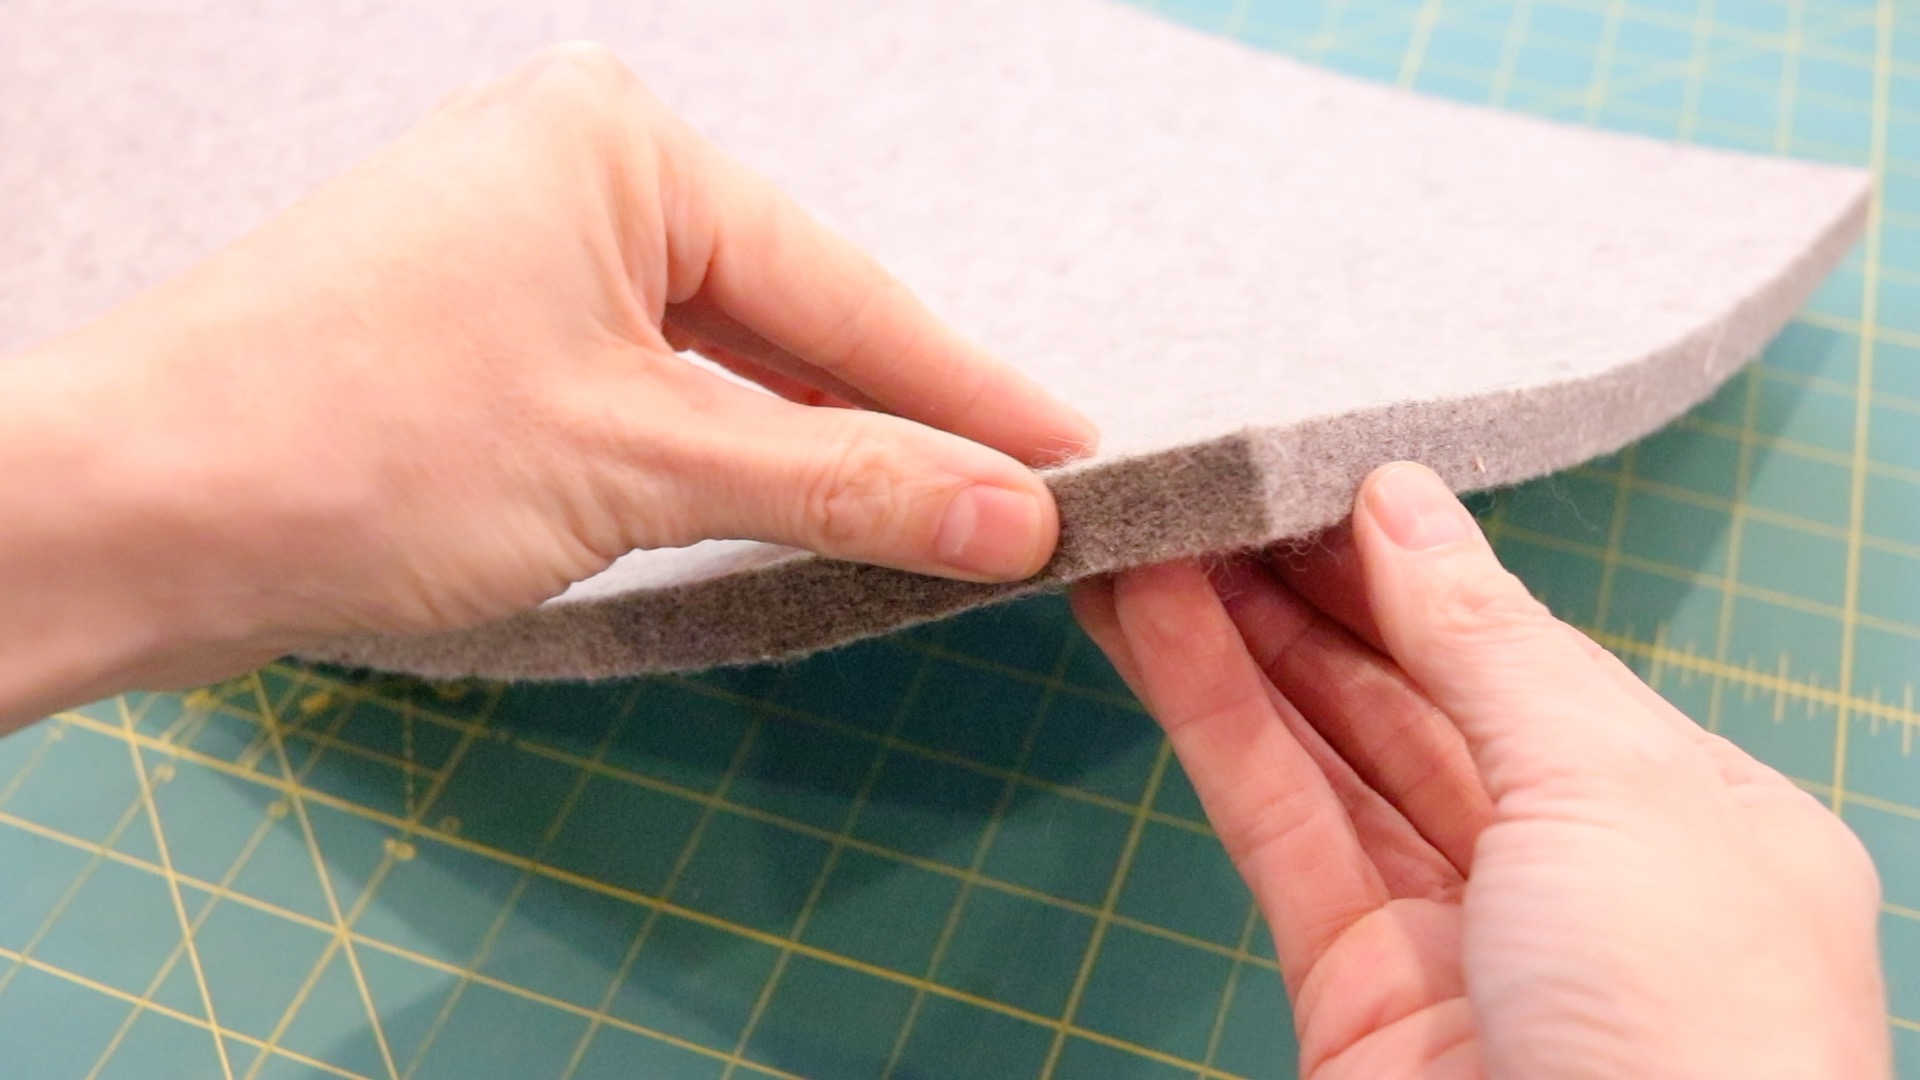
100, 564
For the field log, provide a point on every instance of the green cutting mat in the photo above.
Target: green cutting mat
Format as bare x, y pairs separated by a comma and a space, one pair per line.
962, 852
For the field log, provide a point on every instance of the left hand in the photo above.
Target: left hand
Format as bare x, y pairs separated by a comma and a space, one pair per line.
444, 386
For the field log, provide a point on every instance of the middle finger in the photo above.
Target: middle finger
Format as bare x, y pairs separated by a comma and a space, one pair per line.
1367, 710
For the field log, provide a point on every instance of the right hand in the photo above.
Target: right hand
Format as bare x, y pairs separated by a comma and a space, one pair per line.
1483, 845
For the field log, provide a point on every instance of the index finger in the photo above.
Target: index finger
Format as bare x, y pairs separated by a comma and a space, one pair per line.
807, 290
1271, 805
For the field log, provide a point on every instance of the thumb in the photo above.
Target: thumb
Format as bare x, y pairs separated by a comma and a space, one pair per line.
1526, 690
862, 486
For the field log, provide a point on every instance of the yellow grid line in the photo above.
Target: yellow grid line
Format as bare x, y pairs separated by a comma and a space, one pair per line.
892, 743
887, 742
1592, 99
1424, 21
920, 862
319, 966
828, 723
66, 897
602, 1014
1741, 589
1834, 387
837, 844
1885, 335
1104, 918
1225, 1009
1575, 47
1753, 42
660, 904
394, 850
1348, 35
1780, 686
1053, 682
171, 1013
1863, 399
1854, 798
51, 733
1235, 24
483, 951
1610, 554
1611, 642
297, 802
973, 877
702, 798
1750, 404
1605, 55
1661, 655
1784, 688
1812, 453
1694, 67
895, 744
1736, 529
220, 891
1551, 99
301, 919
1697, 67
1515, 39
1664, 17
1323, 37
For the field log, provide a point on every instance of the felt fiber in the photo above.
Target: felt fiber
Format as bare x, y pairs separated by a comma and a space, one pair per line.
1260, 279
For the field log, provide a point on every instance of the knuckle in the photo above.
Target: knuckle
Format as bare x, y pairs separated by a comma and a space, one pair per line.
577, 82
579, 65
1856, 863
852, 494
1264, 821
457, 99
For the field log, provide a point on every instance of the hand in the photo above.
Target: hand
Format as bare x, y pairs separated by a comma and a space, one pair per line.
445, 386
1484, 847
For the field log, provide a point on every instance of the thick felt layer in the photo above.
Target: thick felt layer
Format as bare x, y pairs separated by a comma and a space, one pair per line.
1262, 280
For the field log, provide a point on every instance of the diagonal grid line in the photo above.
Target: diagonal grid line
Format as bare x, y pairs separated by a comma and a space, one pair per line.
483, 951
187, 925
214, 896
296, 800
394, 851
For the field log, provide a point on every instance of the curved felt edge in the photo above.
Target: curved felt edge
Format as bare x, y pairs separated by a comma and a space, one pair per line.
1209, 497
1240, 492
1509, 436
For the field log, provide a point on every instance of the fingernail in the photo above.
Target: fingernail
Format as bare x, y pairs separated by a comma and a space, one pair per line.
1087, 439
991, 532
1415, 509
1076, 441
